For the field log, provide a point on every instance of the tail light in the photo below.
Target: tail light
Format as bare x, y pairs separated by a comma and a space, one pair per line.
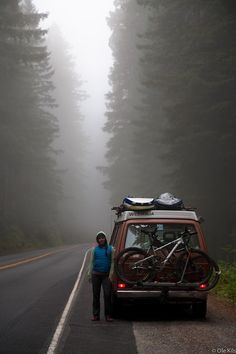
203, 286
121, 285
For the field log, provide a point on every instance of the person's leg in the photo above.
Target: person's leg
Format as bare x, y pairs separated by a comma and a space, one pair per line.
106, 284
96, 283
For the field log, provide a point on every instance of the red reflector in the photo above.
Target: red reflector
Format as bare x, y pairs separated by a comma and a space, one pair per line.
202, 286
121, 285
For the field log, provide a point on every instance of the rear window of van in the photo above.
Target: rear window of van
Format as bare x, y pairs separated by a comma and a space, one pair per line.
163, 233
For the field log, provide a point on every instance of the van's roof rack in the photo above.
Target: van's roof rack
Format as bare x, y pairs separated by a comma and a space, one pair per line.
122, 208
155, 213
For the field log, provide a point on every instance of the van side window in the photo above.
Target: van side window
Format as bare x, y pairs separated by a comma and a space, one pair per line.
114, 235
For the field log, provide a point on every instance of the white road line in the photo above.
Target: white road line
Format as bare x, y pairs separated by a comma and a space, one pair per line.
59, 330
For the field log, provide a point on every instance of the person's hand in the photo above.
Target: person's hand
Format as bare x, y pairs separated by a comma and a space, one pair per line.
111, 278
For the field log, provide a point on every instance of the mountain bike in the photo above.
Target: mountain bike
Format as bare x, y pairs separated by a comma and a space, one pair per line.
172, 264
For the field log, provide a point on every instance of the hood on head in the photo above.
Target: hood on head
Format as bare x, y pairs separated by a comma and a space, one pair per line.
101, 234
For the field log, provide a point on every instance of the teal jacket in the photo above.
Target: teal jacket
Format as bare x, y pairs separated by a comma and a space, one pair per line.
100, 262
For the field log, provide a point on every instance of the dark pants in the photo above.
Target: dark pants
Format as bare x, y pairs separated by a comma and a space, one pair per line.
103, 280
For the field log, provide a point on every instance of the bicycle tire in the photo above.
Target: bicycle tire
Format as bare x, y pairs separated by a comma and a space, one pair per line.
127, 271
198, 269
214, 278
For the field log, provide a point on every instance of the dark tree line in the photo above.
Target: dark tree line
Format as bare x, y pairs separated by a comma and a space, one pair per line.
30, 180
123, 101
171, 109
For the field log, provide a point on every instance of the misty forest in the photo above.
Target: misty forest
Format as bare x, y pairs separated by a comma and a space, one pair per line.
170, 118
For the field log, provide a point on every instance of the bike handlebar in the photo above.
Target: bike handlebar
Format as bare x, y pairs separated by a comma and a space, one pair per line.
187, 233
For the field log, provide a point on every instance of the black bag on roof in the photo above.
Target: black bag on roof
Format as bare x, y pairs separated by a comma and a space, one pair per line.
167, 201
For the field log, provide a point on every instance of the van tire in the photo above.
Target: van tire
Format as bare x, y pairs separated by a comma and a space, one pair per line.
199, 309
116, 307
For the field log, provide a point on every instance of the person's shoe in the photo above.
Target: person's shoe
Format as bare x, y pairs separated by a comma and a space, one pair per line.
109, 319
95, 318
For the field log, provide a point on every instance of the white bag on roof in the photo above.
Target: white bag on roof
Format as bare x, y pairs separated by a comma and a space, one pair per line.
168, 201
131, 203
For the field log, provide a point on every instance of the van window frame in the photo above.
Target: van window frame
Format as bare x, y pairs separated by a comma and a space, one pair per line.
114, 234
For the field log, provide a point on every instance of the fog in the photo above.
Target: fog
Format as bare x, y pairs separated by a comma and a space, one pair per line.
86, 32
104, 99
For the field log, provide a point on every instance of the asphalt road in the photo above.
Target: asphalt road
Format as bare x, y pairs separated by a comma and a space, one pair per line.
82, 336
176, 333
149, 329
33, 296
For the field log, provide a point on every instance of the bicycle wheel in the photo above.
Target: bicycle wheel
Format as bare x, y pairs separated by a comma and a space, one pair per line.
213, 279
194, 267
132, 266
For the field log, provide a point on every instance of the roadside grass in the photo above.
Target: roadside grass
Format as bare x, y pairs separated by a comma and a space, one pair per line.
226, 287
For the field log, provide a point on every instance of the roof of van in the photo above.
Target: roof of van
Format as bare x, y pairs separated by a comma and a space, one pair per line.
157, 214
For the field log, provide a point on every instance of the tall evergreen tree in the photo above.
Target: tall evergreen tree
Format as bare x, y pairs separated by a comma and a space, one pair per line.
195, 82
125, 22
29, 181
182, 137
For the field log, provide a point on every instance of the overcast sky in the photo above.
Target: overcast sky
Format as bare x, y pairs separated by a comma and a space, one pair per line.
83, 25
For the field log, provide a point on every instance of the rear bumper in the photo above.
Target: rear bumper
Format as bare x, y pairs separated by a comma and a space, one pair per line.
170, 296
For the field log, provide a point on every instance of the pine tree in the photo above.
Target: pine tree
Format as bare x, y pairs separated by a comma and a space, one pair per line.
181, 137
29, 180
189, 64
126, 22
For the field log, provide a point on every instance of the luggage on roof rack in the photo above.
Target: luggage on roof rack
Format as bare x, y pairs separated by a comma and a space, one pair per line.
131, 203
165, 201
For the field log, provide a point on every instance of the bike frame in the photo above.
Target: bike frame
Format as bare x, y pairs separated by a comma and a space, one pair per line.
160, 264
177, 242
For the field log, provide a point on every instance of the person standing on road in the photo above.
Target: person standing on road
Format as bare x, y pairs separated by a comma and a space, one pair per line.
100, 272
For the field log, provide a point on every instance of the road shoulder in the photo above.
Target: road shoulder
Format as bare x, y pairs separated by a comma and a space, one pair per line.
83, 336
